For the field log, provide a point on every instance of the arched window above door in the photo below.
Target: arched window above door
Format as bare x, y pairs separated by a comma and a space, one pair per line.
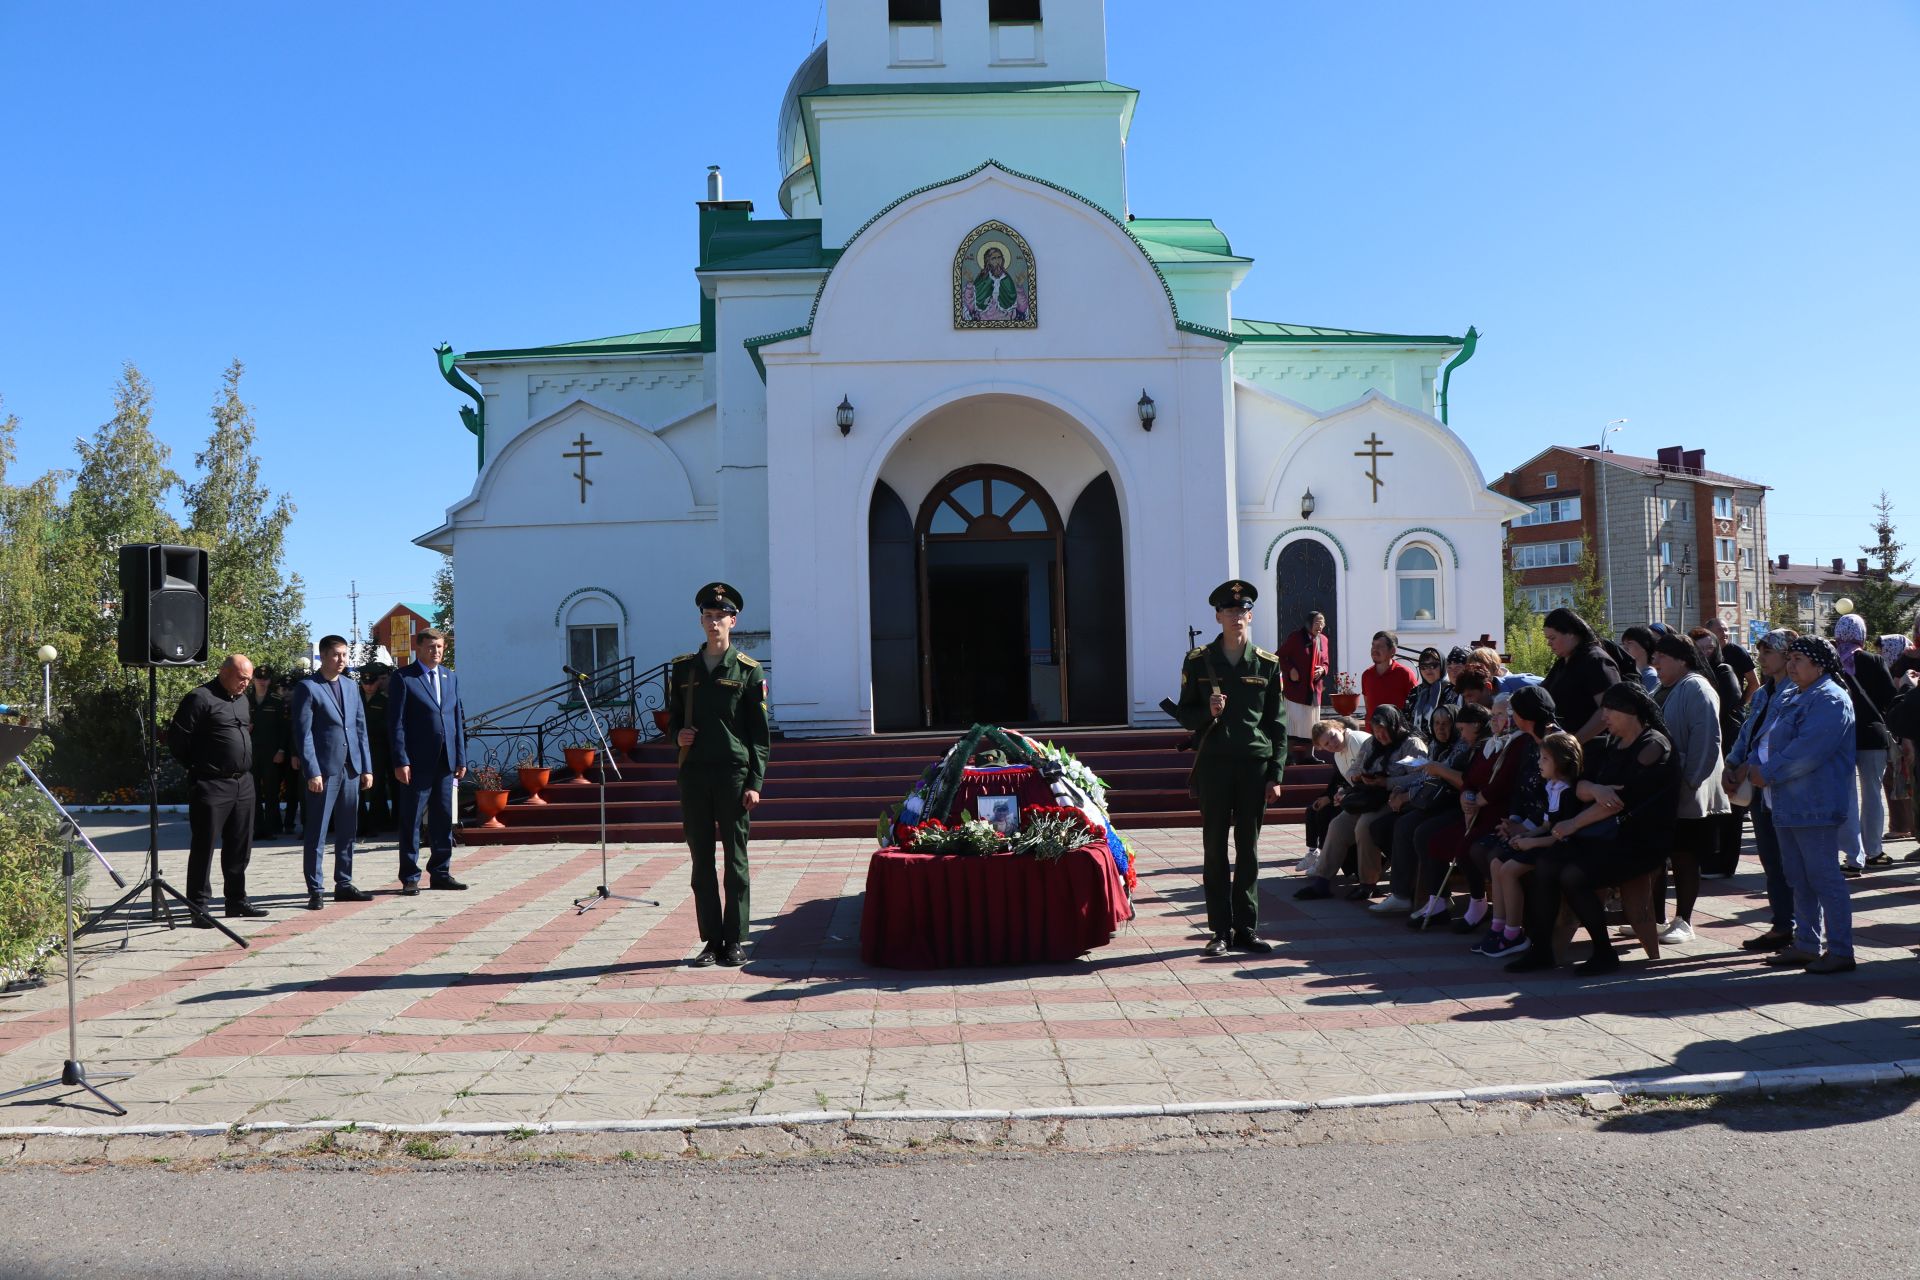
989, 502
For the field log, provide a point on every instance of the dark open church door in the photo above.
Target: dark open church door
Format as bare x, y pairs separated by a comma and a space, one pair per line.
1096, 607
891, 583
1307, 584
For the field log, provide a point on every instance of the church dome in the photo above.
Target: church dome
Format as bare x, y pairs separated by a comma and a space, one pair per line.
798, 193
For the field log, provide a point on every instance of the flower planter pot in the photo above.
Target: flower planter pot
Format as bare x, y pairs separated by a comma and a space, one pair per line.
491, 805
580, 759
661, 719
624, 739
1345, 703
533, 782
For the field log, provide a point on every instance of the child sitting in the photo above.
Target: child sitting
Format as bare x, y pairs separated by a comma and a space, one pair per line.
1560, 770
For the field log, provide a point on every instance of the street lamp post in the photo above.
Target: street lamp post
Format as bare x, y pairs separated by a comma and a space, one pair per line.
1686, 571
1606, 536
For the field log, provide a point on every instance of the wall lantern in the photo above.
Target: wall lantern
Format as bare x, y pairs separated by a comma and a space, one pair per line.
844, 416
1306, 505
1147, 410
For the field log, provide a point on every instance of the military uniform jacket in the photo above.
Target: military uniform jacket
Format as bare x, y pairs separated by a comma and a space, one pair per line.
729, 712
1254, 725
272, 728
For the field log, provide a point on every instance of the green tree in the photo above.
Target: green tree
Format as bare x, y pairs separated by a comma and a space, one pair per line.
253, 606
1881, 598
443, 601
29, 525
1590, 592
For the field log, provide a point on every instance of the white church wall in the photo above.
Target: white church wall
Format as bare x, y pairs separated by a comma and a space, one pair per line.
884, 338
646, 389
1325, 378
1433, 496
1071, 45
1052, 450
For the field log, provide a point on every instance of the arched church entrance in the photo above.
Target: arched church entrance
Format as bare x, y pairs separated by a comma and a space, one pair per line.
1307, 583
992, 601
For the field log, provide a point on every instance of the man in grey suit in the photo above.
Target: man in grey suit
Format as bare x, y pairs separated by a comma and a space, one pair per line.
330, 739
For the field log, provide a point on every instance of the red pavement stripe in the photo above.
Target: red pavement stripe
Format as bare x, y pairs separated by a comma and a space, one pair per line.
28, 1028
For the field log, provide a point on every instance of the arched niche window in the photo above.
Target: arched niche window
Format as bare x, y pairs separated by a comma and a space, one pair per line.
1417, 585
594, 632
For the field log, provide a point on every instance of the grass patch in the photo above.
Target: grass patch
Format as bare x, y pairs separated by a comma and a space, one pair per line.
520, 1133
424, 1148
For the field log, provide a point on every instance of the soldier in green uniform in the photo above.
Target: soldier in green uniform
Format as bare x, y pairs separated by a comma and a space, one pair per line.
1230, 698
719, 721
272, 725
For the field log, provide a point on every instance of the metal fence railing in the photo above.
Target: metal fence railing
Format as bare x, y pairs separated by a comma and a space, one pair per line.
538, 727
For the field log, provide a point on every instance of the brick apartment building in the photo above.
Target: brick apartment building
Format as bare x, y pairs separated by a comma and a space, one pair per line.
1811, 589
1676, 541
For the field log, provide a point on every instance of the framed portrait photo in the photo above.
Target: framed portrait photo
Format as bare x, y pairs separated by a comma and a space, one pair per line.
1002, 813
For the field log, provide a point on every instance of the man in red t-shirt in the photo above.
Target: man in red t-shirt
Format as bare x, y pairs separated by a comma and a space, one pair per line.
1388, 682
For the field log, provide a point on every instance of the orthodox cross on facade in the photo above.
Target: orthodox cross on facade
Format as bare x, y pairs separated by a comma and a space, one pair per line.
581, 452
1373, 453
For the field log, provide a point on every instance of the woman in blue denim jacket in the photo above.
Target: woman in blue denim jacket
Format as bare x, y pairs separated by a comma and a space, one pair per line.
1803, 764
1772, 654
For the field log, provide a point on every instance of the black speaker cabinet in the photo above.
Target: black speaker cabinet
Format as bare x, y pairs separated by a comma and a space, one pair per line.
163, 605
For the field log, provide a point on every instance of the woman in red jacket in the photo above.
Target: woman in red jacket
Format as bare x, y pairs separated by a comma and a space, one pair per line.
1305, 661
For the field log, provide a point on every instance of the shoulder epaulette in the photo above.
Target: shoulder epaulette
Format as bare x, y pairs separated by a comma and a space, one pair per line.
745, 661
686, 657
1201, 652
1258, 652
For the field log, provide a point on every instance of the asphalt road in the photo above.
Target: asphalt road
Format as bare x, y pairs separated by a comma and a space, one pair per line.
1818, 1189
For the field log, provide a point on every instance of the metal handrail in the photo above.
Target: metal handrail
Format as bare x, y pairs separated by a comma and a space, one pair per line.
548, 720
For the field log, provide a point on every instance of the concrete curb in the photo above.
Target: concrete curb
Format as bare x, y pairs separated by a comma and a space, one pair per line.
1855, 1075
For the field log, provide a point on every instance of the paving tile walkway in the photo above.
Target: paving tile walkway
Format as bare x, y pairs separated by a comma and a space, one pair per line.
502, 1004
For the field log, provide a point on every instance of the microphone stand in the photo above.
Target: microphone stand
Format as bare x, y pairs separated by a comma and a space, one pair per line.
73, 1072
602, 893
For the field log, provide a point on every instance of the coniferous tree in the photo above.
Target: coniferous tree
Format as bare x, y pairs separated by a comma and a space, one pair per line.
443, 601
1882, 599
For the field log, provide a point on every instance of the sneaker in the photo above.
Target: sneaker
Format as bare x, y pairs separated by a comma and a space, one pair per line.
1503, 948
1486, 945
1831, 963
1309, 865
1677, 930
1391, 905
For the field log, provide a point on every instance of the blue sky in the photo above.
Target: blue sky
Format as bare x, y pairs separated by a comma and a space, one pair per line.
1697, 216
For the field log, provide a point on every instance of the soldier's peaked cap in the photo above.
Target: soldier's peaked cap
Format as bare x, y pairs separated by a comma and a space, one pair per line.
718, 595
1234, 593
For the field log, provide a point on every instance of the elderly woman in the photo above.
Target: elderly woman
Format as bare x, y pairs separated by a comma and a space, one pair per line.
1305, 660
1504, 681
1691, 707
1393, 761
1341, 740
1485, 787
1899, 784
1765, 705
1804, 767
1434, 691
1872, 691
1630, 783
1581, 672
1390, 757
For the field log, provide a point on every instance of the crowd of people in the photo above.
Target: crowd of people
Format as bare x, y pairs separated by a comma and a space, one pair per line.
1629, 768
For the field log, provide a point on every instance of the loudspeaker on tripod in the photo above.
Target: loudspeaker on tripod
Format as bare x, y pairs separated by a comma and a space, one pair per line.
163, 605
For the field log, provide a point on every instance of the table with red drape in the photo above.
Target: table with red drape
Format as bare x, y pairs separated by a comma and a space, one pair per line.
943, 911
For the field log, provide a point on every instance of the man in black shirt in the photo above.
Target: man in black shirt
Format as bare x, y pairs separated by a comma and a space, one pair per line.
212, 735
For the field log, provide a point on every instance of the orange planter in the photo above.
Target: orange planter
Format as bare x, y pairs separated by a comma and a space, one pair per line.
491, 805
1345, 703
580, 759
533, 782
661, 720
624, 739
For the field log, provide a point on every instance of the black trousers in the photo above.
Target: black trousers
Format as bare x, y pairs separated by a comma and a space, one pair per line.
376, 802
266, 787
1233, 798
222, 807
1574, 873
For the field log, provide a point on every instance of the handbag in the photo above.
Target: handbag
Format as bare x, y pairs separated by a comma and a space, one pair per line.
1364, 799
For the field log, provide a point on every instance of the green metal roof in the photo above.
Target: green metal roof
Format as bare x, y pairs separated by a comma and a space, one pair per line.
773, 244
1183, 240
679, 339
970, 86
1258, 331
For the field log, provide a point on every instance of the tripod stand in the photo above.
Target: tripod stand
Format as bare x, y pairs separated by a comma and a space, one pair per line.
73, 1072
601, 894
155, 883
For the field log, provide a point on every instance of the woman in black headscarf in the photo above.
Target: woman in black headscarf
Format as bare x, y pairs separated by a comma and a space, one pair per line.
1434, 691
1630, 779
1582, 670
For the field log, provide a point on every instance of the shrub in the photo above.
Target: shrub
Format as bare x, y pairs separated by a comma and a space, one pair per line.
30, 890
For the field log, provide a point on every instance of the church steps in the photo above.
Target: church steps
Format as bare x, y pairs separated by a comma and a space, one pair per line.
837, 788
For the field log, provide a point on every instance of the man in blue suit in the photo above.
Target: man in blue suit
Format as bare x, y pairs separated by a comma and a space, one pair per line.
428, 733
331, 747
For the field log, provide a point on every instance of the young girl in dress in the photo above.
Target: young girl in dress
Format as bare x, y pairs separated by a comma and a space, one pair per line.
1560, 770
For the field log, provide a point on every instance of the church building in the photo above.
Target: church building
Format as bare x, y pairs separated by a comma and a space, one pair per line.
974, 437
